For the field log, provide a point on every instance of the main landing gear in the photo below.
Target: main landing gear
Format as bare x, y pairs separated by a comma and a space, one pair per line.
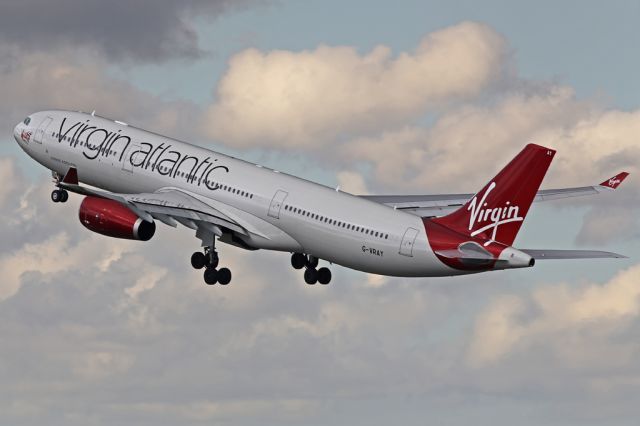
311, 274
59, 196
209, 260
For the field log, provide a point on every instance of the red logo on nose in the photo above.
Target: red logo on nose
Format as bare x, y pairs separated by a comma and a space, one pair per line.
25, 136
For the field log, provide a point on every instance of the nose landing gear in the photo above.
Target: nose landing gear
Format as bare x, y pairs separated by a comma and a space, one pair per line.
59, 196
311, 274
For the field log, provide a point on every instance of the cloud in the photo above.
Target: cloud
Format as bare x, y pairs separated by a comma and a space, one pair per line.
116, 328
360, 112
472, 142
578, 325
616, 220
352, 182
289, 99
65, 79
121, 332
131, 31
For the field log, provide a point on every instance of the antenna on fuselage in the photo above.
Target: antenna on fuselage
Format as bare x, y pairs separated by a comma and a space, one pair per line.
93, 113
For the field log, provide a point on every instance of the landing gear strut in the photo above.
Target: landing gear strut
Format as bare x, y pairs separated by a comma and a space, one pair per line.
209, 260
311, 274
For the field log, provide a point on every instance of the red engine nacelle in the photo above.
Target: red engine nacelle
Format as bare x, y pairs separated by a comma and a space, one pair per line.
110, 218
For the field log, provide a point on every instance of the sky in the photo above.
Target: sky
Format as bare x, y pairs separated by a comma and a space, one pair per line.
411, 97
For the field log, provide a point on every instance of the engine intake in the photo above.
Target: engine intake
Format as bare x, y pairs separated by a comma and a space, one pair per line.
110, 218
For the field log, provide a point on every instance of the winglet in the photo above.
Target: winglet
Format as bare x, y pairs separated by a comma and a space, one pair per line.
615, 181
71, 178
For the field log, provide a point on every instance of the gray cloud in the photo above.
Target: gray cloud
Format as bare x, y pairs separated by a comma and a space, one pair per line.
101, 331
64, 79
136, 31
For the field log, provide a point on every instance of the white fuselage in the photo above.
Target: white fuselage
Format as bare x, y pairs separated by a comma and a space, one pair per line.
290, 214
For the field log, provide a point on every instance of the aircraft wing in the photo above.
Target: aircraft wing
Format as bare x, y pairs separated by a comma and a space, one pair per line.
442, 204
173, 206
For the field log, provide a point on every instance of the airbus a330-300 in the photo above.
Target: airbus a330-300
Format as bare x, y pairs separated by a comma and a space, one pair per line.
131, 179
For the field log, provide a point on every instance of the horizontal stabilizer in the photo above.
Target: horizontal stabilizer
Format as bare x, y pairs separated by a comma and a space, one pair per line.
571, 254
466, 255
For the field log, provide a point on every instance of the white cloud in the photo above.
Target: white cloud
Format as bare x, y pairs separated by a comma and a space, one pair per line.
352, 182
100, 365
80, 80
564, 320
121, 332
291, 99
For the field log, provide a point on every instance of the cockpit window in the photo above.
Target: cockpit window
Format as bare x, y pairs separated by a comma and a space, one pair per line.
27, 121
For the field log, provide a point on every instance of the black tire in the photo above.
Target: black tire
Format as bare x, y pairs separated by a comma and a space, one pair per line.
64, 196
298, 260
311, 276
213, 260
198, 260
312, 262
210, 276
56, 196
224, 276
324, 276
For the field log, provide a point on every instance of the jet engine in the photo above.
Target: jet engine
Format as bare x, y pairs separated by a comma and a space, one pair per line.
110, 218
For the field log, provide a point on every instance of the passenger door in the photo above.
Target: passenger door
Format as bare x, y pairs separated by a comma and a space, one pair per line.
408, 240
39, 135
276, 203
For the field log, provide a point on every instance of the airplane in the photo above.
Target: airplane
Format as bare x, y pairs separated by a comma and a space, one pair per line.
132, 179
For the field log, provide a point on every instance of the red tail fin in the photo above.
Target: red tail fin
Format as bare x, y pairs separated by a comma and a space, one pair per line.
498, 210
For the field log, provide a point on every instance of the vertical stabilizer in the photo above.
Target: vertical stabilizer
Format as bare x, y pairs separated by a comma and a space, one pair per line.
497, 211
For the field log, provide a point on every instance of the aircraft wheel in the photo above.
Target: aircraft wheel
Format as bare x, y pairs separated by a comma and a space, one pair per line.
224, 276
198, 260
311, 276
64, 196
312, 262
298, 260
210, 276
56, 196
324, 276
